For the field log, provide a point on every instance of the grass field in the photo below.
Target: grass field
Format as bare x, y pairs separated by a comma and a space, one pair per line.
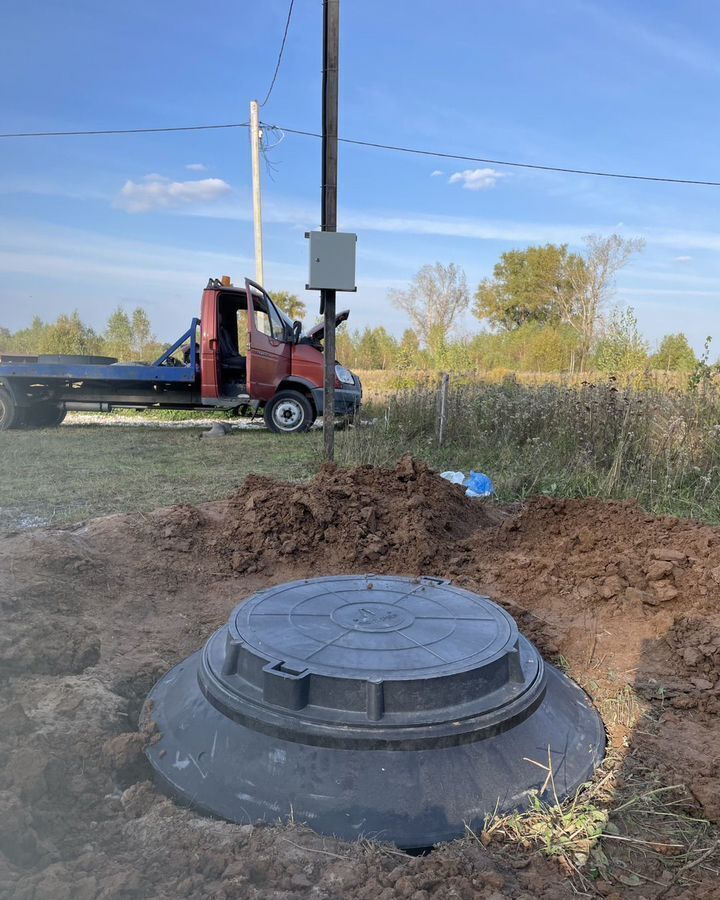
74, 472
661, 447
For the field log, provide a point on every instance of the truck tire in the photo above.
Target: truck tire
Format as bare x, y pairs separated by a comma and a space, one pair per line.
288, 412
9, 414
43, 415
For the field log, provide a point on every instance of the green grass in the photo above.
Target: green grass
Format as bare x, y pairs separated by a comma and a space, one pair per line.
68, 474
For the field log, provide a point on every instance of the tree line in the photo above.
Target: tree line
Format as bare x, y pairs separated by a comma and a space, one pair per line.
127, 337
545, 309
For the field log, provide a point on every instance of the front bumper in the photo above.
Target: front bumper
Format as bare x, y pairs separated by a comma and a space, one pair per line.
348, 399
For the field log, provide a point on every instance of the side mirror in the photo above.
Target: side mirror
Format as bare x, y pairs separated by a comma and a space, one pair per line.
297, 331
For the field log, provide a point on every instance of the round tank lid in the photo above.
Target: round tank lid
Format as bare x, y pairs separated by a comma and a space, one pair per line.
360, 627
376, 658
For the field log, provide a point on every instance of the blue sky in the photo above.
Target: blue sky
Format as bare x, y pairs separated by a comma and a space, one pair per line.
91, 222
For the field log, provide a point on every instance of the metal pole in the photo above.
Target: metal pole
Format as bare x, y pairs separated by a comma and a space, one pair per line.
443, 408
257, 203
331, 53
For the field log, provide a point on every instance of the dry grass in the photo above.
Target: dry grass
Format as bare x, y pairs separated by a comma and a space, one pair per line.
660, 447
618, 828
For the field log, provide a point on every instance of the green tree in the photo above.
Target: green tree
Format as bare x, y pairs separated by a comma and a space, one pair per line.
118, 336
375, 349
408, 350
291, 305
433, 300
674, 354
68, 334
30, 340
142, 337
531, 285
344, 348
621, 348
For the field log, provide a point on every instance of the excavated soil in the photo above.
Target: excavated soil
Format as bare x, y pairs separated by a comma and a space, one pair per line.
93, 615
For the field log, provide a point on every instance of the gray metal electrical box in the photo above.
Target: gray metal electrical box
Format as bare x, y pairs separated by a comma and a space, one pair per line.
332, 261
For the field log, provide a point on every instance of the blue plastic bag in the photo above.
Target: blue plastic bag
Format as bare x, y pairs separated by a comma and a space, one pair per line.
479, 485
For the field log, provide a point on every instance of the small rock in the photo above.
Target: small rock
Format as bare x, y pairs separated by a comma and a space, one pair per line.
635, 595
659, 569
612, 586
664, 591
138, 799
702, 684
404, 886
15, 720
666, 553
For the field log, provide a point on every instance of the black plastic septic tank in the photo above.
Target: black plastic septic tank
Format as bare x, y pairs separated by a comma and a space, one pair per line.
393, 708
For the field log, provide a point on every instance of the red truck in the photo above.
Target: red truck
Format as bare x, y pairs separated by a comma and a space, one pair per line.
280, 371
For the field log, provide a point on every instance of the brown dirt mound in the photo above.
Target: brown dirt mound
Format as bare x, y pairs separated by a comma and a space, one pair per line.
404, 517
628, 603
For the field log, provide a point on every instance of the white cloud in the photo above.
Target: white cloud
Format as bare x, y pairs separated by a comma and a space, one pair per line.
196, 167
476, 179
157, 192
682, 259
436, 172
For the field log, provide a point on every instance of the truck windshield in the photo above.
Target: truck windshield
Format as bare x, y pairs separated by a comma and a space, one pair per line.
286, 319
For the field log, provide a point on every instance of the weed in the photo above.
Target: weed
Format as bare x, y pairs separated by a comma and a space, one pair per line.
658, 446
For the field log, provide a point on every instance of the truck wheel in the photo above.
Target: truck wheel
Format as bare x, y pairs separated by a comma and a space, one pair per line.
9, 413
44, 415
288, 412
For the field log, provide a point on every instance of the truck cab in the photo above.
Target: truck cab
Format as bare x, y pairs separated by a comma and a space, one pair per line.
251, 350
243, 353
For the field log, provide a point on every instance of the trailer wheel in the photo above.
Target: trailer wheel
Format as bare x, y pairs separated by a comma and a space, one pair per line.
44, 415
9, 414
288, 412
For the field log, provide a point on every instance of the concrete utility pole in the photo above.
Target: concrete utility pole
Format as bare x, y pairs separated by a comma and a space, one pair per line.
257, 202
331, 54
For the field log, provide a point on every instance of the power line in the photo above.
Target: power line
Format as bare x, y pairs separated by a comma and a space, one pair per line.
280, 54
30, 134
503, 162
392, 147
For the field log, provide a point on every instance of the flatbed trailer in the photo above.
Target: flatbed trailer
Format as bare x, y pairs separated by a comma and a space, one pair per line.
281, 372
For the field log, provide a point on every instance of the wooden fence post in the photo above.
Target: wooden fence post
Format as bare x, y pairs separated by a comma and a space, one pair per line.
442, 411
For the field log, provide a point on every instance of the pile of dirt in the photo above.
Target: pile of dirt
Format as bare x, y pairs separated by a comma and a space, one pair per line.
628, 603
406, 517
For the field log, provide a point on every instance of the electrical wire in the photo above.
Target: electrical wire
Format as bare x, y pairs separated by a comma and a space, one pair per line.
392, 147
280, 54
503, 162
28, 134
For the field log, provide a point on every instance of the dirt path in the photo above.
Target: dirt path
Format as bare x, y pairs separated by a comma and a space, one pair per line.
94, 615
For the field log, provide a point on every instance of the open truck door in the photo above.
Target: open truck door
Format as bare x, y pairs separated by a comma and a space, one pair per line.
269, 357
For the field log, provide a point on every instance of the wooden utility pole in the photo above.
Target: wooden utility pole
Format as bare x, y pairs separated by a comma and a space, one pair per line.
257, 203
331, 54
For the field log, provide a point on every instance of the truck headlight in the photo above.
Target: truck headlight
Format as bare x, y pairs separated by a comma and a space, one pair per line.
343, 375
